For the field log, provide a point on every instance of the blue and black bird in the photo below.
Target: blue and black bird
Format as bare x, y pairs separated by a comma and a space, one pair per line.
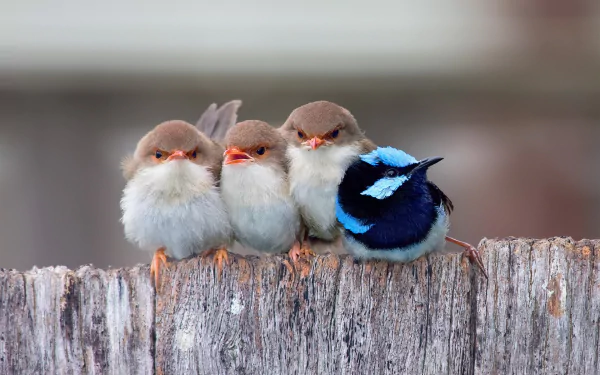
391, 211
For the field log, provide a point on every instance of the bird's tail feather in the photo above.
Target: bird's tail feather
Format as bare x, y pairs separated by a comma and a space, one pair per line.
215, 122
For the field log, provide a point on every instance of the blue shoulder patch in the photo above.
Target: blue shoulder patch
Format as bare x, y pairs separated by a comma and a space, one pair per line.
349, 222
388, 156
384, 187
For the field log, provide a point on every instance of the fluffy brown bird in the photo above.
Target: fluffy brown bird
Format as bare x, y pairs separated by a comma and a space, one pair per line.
171, 203
323, 140
255, 189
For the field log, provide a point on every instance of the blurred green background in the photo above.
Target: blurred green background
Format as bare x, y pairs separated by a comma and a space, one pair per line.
508, 92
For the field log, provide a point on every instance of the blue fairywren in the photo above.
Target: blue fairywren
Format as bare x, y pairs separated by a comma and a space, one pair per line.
390, 210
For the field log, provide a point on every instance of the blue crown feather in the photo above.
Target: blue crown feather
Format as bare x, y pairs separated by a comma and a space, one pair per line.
348, 221
388, 156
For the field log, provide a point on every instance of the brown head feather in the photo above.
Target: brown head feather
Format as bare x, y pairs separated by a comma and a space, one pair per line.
170, 136
319, 119
251, 135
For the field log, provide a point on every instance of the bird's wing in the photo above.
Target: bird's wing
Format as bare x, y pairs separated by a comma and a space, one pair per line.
215, 122
366, 146
439, 197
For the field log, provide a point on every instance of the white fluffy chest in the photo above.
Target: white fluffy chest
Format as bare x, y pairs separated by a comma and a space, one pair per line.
176, 206
261, 211
252, 184
314, 179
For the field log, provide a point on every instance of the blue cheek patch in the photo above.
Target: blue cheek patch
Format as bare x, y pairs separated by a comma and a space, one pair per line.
385, 187
349, 222
388, 156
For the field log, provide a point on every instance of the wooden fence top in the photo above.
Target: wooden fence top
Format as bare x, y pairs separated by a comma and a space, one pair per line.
538, 313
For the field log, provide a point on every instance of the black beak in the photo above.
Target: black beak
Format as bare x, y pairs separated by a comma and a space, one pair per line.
426, 163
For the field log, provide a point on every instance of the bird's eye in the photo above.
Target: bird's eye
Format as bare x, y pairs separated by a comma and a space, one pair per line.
335, 133
194, 154
158, 154
390, 173
300, 134
261, 151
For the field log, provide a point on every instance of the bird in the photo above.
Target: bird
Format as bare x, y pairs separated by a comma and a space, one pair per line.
171, 203
323, 140
391, 211
255, 189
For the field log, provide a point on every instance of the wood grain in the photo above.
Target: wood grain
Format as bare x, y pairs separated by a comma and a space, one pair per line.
540, 311
90, 321
538, 314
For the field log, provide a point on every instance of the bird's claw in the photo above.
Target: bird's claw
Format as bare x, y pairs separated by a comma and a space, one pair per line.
470, 253
220, 256
300, 251
158, 258
295, 251
307, 251
473, 255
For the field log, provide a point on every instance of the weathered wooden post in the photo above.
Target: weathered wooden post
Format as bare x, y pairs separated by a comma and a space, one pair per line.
538, 313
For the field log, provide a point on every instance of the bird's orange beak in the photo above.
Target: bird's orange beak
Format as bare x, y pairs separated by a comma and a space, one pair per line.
177, 155
315, 142
234, 155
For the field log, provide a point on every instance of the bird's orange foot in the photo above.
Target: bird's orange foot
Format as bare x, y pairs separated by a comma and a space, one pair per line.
294, 252
158, 258
470, 253
220, 256
307, 251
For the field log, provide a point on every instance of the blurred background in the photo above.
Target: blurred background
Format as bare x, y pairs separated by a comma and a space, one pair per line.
507, 91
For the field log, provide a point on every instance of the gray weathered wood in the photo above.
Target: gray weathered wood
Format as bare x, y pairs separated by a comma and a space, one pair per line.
539, 313
91, 321
333, 317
